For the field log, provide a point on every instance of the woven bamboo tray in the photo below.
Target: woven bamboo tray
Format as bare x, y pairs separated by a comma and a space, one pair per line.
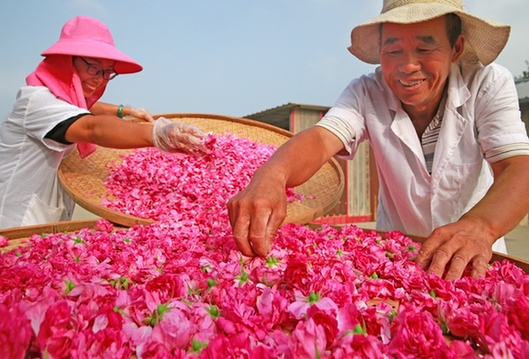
83, 179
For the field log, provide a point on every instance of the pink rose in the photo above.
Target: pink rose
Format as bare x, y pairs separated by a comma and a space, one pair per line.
15, 328
57, 331
4, 241
308, 340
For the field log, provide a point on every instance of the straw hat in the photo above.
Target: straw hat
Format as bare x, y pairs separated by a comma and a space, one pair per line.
485, 39
85, 36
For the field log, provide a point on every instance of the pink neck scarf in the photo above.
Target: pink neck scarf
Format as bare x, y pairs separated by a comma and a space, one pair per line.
57, 73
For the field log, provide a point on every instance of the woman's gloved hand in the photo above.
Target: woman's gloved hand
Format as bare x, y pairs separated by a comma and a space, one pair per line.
171, 137
141, 114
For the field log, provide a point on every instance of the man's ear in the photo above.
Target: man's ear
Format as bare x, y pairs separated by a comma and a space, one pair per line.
459, 47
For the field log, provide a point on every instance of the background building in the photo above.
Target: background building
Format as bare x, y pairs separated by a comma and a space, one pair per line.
522, 86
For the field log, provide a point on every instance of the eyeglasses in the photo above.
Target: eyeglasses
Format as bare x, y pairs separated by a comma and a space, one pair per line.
95, 70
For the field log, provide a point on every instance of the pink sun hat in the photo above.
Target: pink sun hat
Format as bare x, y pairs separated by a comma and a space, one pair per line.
86, 36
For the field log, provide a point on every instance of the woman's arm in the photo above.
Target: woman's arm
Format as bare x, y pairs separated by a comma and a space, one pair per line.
103, 108
110, 131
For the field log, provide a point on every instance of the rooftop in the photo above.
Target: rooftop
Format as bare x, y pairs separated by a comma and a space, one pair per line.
280, 116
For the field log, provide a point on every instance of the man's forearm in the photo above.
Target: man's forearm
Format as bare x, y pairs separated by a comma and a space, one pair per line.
507, 201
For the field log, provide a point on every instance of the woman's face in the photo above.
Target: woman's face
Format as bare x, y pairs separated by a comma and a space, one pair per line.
94, 73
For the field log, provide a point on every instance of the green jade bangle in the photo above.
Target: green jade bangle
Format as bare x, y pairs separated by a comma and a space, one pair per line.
120, 111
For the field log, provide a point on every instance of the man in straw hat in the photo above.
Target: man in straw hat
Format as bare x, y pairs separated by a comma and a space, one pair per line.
59, 111
443, 121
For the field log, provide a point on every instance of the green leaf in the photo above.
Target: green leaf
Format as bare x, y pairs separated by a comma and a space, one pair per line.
313, 297
392, 314
123, 283
243, 278
162, 308
271, 262
213, 310
196, 346
69, 286
359, 329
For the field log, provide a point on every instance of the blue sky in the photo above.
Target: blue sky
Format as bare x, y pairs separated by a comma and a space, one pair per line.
231, 57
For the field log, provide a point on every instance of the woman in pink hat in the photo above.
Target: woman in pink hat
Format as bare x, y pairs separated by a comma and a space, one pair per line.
59, 111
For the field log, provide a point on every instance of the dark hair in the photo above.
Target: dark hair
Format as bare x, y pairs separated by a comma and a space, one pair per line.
454, 28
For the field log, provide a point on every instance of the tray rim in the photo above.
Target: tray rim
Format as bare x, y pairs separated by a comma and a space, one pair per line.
54, 227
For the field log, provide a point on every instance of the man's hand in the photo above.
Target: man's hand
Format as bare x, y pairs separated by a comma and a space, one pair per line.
448, 250
256, 213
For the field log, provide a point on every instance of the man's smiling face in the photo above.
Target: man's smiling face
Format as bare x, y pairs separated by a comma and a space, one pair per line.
416, 60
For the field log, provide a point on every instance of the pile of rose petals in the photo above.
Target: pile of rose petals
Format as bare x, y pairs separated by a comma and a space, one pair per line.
151, 184
181, 289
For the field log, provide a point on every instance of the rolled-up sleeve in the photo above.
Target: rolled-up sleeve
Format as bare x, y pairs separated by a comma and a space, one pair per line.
340, 128
346, 119
500, 130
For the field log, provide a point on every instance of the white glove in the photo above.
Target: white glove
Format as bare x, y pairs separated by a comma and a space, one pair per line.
171, 137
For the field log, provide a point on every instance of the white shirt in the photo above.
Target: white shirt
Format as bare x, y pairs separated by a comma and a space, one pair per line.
481, 114
30, 192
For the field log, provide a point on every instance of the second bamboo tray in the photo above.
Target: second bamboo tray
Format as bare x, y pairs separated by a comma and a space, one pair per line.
83, 179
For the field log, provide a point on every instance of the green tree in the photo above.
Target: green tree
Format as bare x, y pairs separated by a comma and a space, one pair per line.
525, 74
